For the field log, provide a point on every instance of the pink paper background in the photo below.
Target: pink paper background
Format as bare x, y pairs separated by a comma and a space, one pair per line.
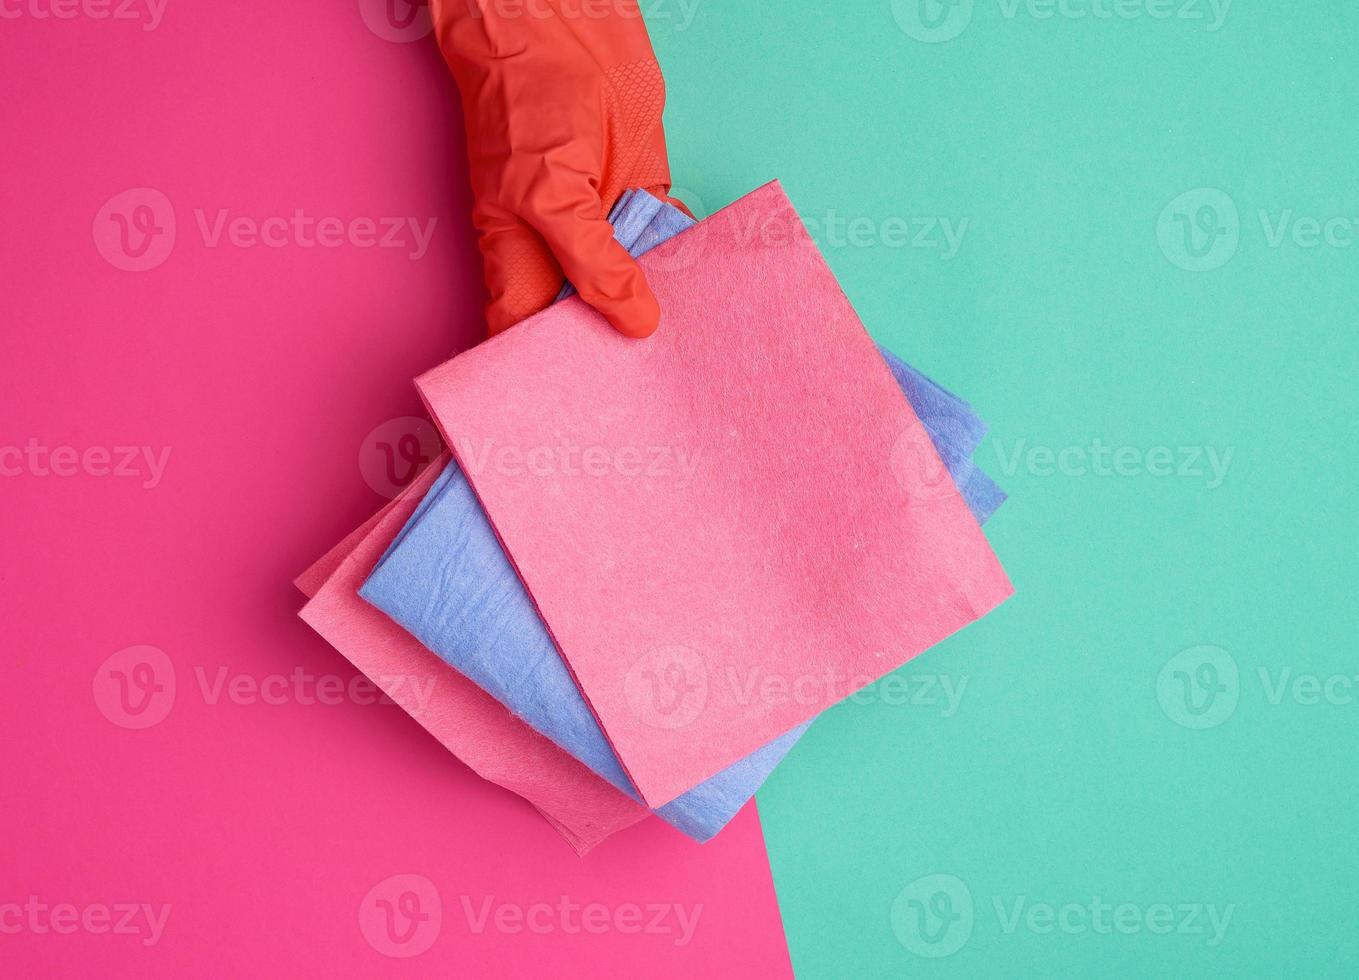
263, 826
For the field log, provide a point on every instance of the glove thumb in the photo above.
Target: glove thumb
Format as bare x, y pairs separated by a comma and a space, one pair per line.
602, 271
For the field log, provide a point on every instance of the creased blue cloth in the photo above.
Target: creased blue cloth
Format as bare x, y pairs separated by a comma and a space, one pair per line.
446, 579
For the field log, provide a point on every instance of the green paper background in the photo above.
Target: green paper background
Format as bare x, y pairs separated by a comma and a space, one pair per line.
1074, 314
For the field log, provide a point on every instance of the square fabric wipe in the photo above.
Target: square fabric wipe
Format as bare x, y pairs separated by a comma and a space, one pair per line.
446, 579
727, 527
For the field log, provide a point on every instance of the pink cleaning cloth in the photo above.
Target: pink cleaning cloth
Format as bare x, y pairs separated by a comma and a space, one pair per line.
470, 723
726, 526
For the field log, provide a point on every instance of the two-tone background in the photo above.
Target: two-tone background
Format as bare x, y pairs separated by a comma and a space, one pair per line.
1126, 230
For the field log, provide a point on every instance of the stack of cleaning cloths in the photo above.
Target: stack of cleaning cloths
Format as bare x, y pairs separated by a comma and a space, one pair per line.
653, 563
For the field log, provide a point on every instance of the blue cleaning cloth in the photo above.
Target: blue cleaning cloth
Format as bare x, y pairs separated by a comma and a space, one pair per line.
446, 580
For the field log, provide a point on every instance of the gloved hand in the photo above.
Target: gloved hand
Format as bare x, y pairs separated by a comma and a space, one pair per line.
563, 108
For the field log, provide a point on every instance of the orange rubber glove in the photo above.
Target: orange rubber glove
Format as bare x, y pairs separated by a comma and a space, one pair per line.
563, 105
